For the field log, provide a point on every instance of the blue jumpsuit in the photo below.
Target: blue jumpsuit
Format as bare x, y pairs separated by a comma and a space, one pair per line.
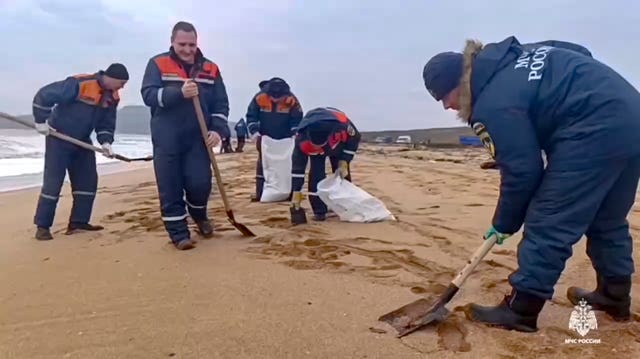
342, 144
586, 117
275, 118
180, 157
81, 107
241, 129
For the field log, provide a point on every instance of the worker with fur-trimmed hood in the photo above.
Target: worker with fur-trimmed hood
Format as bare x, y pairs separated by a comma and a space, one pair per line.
551, 96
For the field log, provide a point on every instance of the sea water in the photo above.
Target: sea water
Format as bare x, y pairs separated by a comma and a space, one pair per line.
22, 156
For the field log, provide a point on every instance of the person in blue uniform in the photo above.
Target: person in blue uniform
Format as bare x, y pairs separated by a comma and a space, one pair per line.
274, 111
551, 96
76, 107
241, 134
324, 132
180, 158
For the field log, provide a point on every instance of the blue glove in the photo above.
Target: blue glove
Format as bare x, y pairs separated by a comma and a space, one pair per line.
500, 237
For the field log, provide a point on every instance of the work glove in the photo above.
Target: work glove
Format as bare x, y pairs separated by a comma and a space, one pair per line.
343, 169
43, 128
500, 237
107, 151
296, 199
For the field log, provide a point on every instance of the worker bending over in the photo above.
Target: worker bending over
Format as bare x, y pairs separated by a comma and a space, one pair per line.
323, 133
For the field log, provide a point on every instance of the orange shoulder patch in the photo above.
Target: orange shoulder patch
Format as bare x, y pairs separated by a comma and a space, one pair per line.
211, 68
90, 92
168, 67
264, 102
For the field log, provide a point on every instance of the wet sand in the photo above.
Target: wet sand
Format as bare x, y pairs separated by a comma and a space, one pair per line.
311, 291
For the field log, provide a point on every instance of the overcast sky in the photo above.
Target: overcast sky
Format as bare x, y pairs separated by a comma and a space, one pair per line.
362, 56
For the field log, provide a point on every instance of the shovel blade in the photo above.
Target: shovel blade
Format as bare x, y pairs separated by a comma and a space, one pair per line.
239, 226
298, 216
415, 315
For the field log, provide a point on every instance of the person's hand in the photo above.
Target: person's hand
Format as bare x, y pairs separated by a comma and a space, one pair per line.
213, 139
189, 89
500, 237
343, 169
296, 199
43, 128
107, 151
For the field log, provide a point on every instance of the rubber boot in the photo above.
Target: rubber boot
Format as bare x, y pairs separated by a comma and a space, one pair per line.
612, 295
43, 234
517, 311
74, 227
185, 244
205, 228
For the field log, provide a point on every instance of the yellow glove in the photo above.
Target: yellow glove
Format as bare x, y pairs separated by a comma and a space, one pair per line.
296, 199
343, 168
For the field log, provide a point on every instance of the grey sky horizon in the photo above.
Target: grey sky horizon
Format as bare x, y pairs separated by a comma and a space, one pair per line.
364, 57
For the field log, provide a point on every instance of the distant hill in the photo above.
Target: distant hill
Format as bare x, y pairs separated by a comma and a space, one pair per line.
135, 120
448, 135
131, 120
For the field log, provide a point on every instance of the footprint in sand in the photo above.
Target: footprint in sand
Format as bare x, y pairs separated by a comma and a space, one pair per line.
452, 336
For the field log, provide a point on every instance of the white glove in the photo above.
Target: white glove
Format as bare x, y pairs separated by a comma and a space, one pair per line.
43, 128
107, 151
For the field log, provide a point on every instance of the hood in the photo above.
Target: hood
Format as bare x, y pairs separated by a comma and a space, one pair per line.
319, 116
480, 64
277, 87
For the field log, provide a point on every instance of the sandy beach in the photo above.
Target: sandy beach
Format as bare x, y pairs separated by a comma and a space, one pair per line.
311, 291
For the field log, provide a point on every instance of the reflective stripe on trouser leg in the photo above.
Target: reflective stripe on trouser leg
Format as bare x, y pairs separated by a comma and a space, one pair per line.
84, 183
560, 213
316, 174
56, 158
197, 181
169, 171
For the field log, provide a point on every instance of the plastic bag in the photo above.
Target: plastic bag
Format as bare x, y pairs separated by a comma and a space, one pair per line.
276, 168
350, 202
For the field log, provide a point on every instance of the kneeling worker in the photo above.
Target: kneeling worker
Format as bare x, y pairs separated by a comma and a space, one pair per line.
75, 106
323, 132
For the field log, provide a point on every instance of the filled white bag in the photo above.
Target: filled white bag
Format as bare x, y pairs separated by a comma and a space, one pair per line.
350, 202
276, 168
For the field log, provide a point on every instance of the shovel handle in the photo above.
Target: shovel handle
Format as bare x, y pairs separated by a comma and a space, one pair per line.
473, 261
63, 137
212, 156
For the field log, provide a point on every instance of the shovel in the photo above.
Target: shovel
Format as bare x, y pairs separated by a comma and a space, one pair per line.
75, 141
203, 128
421, 312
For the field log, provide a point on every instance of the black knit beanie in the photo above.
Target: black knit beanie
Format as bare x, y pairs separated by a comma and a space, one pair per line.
117, 71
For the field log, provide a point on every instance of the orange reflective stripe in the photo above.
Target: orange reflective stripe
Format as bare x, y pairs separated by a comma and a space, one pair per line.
264, 102
211, 69
170, 68
90, 92
341, 116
